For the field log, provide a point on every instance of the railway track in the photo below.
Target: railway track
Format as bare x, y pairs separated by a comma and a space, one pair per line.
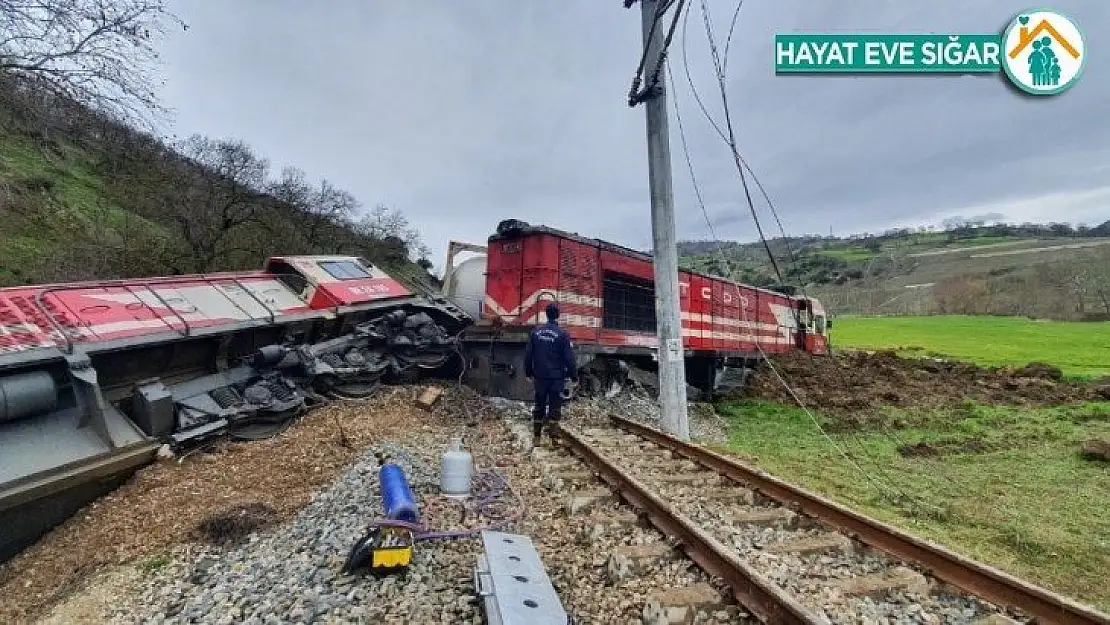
785, 555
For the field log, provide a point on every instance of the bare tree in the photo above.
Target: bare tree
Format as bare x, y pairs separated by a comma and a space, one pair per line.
1100, 283
319, 212
329, 208
97, 53
211, 200
384, 223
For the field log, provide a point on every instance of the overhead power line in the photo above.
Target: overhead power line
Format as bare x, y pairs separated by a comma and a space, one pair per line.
720, 69
743, 311
893, 492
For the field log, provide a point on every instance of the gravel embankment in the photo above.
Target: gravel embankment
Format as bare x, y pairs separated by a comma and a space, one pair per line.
159, 511
293, 572
258, 532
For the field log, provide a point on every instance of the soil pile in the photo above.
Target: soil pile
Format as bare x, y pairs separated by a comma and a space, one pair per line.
856, 382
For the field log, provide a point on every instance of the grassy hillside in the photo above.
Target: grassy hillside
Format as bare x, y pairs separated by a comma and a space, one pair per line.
82, 197
1050, 271
51, 200
1078, 349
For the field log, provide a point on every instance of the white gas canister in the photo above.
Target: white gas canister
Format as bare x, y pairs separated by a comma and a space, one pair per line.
456, 470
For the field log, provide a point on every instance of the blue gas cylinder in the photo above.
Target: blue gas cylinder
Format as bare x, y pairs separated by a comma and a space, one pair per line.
397, 497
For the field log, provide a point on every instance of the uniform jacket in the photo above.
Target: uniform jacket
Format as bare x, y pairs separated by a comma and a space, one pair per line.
549, 354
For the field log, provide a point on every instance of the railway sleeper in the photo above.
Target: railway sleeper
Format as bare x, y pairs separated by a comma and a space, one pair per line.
585, 499
559, 465
652, 463
773, 517
628, 560
738, 495
612, 437
995, 619
619, 518
553, 455
682, 605
599, 525
828, 543
645, 451
558, 481
688, 478
880, 585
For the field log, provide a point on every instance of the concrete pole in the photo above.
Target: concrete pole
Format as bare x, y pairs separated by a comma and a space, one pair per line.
672, 364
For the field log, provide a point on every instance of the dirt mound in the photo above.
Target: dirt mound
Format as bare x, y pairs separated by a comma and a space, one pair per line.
1040, 370
924, 449
1095, 450
861, 382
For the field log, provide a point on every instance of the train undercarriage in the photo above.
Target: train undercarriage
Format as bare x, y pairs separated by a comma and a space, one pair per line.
74, 425
494, 362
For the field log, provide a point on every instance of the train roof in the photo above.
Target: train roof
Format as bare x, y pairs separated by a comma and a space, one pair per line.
512, 228
187, 277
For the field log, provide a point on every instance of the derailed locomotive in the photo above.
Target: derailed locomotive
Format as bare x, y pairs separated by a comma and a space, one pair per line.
95, 377
606, 295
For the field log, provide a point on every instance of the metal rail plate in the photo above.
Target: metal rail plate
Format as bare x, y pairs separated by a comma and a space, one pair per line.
513, 585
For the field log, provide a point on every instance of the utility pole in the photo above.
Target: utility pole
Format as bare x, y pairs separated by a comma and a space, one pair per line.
671, 354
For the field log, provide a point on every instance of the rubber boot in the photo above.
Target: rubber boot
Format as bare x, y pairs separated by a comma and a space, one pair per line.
552, 423
537, 432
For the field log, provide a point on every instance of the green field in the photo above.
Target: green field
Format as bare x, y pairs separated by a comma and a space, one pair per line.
1005, 486
1079, 349
849, 254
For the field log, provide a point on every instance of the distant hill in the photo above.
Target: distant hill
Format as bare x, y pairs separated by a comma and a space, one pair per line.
1052, 271
83, 197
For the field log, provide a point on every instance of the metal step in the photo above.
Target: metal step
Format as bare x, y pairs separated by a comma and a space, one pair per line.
513, 585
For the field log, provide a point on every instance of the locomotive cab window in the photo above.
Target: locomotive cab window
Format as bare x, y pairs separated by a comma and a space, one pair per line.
344, 270
629, 303
290, 277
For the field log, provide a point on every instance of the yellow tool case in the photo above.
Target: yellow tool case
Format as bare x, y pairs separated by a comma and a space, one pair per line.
383, 550
391, 549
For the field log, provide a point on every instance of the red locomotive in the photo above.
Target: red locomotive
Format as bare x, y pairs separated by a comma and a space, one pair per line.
96, 376
607, 298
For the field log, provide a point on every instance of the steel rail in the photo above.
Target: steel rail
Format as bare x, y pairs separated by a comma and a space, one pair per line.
989, 583
755, 592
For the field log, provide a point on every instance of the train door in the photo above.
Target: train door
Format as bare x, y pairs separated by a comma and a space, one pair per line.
579, 290
817, 340
695, 312
748, 315
540, 278
504, 280
717, 313
730, 316
801, 332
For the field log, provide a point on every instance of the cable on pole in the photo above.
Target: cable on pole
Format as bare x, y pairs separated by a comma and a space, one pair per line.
894, 493
636, 93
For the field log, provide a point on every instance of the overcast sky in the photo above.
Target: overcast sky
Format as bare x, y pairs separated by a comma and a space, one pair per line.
462, 114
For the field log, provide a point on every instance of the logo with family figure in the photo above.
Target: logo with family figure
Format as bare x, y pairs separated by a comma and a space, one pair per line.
1044, 52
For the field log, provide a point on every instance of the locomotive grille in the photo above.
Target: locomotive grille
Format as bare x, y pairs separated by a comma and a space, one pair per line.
629, 303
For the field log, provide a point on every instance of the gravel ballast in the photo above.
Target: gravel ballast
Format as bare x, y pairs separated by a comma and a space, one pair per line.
258, 532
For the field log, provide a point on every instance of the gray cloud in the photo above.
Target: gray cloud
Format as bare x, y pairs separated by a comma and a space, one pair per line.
462, 114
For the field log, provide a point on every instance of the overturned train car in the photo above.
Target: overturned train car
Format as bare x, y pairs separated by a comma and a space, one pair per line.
606, 295
95, 377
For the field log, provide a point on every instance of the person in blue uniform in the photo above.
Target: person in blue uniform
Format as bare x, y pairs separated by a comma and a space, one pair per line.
548, 362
